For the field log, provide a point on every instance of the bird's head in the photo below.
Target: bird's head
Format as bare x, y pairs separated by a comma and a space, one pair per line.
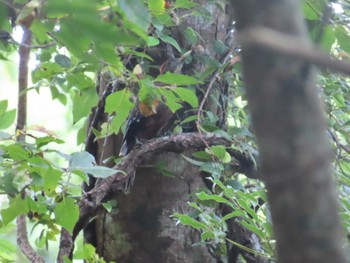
148, 105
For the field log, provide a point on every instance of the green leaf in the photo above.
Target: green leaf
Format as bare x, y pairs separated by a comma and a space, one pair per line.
219, 199
191, 35
237, 213
46, 70
86, 251
207, 235
187, 4
178, 79
67, 213
83, 102
171, 99
220, 47
152, 41
310, 12
219, 151
168, 39
7, 250
18, 206
202, 155
192, 161
187, 95
136, 12
156, 7
51, 179
17, 153
110, 205
119, 103
45, 56
252, 228
100, 171
328, 38
7, 119
81, 160
2, 57
213, 168
40, 142
80, 80
40, 29
3, 106
63, 61
189, 221
343, 38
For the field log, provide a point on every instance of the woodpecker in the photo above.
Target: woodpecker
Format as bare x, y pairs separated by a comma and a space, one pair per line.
150, 117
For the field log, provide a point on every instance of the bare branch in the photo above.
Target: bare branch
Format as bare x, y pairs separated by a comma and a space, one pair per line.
66, 244
292, 46
24, 51
33, 46
105, 188
23, 243
23, 80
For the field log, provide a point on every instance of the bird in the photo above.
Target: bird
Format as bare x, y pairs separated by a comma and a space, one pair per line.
150, 117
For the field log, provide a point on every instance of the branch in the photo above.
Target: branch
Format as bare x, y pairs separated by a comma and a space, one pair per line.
66, 244
292, 46
51, 44
105, 188
23, 80
23, 243
24, 51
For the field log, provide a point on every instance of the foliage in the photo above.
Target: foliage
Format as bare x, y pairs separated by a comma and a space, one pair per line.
94, 40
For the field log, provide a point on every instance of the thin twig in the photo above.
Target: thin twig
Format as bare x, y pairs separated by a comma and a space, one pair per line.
337, 142
291, 46
33, 46
23, 243
207, 92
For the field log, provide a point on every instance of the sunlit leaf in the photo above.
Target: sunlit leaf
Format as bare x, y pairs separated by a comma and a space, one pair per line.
204, 196
100, 171
7, 118
17, 153
169, 39
178, 79
156, 7
187, 95
67, 213
136, 11
18, 206
80, 160
63, 61
343, 38
188, 221
7, 250
3, 106
83, 102
185, 4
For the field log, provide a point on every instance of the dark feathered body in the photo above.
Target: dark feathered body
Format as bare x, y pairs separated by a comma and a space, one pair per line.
150, 117
140, 127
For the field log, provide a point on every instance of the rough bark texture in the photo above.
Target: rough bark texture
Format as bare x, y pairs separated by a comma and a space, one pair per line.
140, 228
291, 135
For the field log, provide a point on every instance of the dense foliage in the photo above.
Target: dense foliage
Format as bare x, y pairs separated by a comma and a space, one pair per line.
80, 40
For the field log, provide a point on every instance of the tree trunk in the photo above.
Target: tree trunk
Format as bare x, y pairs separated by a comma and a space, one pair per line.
140, 228
291, 134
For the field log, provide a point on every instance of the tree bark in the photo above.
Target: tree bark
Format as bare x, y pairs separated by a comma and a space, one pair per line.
291, 135
140, 229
